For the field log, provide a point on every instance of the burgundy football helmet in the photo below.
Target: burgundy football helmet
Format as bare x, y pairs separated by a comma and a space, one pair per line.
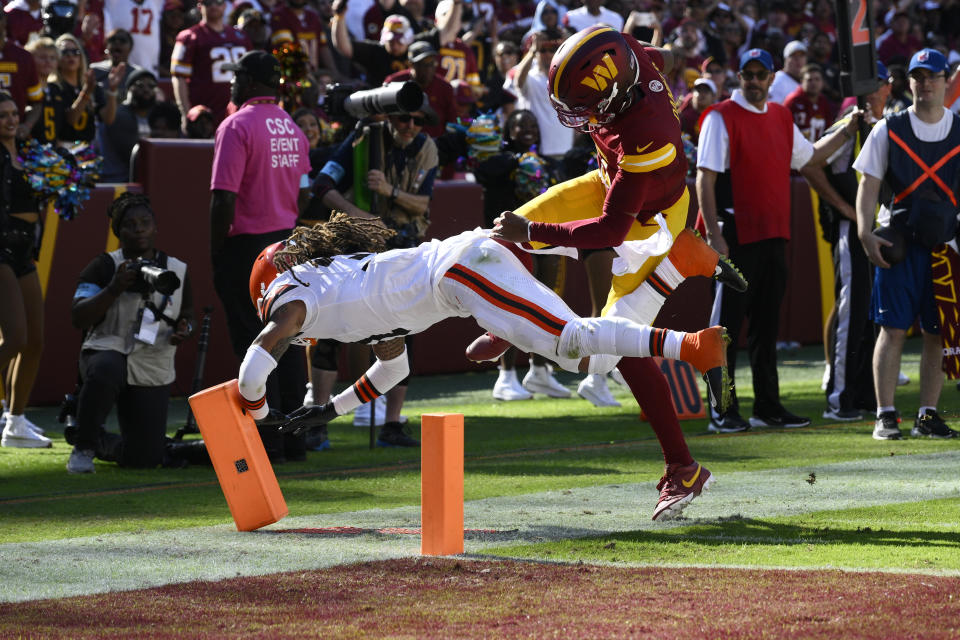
591, 77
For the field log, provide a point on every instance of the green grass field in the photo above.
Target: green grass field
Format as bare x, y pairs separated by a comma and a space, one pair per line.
823, 497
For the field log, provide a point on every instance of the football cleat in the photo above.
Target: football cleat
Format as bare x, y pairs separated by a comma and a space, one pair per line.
694, 257
678, 487
487, 348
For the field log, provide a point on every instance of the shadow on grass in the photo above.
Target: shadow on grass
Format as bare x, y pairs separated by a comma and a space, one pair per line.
748, 532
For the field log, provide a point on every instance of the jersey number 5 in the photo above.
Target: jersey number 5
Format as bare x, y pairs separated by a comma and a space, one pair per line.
220, 56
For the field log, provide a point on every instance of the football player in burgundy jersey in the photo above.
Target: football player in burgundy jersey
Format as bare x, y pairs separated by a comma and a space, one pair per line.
198, 57
611, 86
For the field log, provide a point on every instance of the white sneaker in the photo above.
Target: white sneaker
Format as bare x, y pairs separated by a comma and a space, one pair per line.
902, 379
507, 387
617, 377
361, 415
81, 461
35, 428
541, 380
16, 433
826, 377
308, 396
594, 388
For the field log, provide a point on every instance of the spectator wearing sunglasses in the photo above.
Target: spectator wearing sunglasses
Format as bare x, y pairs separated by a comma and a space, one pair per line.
748, 145
85, 101
439, 92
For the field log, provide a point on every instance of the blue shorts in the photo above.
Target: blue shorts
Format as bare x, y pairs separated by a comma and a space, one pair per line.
905, 291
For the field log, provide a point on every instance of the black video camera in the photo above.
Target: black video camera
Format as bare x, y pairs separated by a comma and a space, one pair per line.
344, 101
152, 277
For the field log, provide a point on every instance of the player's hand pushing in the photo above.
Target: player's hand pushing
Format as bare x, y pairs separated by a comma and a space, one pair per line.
306, 418
511, 227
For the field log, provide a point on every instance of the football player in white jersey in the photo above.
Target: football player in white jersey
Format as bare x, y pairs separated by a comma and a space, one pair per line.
324, 282
142, 20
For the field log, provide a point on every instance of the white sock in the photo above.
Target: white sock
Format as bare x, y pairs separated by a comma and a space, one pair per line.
923, 411
885, 410
620, 336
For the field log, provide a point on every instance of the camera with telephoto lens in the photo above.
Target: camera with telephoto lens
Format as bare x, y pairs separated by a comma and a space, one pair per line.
152, 277
344, 101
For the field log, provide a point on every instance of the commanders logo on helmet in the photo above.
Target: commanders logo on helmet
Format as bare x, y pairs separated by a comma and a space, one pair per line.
591, 77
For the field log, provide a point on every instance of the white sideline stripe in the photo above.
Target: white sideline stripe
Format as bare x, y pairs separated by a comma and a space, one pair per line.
118, 562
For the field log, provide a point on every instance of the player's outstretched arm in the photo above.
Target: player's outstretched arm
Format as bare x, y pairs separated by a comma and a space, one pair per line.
262, 356
390, 368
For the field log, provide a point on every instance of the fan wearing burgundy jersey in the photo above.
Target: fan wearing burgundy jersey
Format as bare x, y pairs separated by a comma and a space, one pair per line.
198, 57
810, 108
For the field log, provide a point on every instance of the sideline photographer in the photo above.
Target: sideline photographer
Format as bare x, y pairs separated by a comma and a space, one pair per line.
397, 162
135, 307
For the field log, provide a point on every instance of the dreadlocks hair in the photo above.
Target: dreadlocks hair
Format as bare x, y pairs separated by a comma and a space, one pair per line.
123, 203
341, 234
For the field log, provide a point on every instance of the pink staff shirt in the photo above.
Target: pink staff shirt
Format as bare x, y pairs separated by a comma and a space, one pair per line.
261, 155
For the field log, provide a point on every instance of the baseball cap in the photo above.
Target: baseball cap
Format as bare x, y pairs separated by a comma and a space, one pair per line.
882, 73
259, 65
138, 74
420, 51
759, 55
705, 82
929, 59
198, 110
396, 27
793, 47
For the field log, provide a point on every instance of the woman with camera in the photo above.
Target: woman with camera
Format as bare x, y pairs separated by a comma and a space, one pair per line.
21, 314
135, 307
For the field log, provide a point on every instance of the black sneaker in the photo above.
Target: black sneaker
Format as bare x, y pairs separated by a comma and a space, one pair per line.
394, 434
785, 420
317, 439
887, 426
931, 425
729, 422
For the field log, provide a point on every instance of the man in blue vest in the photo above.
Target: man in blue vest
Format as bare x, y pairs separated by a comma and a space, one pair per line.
917, 153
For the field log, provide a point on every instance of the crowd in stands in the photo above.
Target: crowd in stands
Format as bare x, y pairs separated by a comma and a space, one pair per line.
113, 72
481, 57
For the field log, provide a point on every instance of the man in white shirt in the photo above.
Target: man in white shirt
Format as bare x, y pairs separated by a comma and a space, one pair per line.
528, 81
746, 150
788, 78
917, 153
593, 12
142, 21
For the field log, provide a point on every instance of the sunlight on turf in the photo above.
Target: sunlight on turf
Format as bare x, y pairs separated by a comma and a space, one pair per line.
922, 536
